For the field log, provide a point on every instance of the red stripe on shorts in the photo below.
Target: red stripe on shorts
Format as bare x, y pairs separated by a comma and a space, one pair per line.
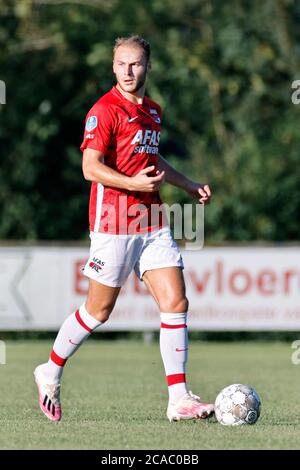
165, 325
81, 322
175, 379
59, 361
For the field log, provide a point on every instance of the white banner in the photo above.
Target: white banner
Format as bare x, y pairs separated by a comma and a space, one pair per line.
228, 289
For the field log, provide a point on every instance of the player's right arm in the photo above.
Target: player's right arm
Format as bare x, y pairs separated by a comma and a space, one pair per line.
94, 169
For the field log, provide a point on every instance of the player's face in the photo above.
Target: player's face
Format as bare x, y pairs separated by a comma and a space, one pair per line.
130, 67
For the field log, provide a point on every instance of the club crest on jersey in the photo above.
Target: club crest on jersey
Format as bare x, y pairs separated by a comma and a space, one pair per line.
91, 123
97, 264
155, 115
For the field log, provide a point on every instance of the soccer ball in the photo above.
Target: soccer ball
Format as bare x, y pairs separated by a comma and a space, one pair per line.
237, 404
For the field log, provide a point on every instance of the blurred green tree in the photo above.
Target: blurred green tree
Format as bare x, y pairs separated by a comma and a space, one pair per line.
222, 72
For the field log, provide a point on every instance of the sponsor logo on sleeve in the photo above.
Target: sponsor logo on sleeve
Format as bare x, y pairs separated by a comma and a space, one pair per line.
91, 123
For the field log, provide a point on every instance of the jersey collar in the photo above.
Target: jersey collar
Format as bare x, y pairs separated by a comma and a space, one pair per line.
140, 107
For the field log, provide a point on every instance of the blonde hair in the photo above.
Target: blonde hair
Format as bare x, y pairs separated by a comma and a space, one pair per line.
134, 39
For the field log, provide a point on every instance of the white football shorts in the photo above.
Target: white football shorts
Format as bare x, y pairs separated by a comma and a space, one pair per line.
113, 257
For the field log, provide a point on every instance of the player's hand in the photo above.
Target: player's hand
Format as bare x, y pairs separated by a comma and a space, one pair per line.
143, 182
200, 191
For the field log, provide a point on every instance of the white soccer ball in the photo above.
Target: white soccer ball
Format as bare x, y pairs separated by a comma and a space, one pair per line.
237, 404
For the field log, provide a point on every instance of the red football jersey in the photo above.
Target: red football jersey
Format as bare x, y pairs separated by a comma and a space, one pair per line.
128, 134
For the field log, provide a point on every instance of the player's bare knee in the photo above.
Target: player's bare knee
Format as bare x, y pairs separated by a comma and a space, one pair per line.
102, 313
176, 305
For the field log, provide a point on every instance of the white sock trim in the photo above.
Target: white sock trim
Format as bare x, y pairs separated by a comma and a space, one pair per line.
173, 318
88, 319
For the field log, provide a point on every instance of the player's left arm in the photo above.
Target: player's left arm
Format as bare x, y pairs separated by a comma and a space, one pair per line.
198, 190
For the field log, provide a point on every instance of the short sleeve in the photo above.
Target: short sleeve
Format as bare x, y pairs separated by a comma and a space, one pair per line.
98, 128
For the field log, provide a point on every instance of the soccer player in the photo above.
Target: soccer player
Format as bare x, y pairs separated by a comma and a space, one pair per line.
121, 158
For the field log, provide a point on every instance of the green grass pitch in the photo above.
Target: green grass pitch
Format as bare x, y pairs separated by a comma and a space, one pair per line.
114, 397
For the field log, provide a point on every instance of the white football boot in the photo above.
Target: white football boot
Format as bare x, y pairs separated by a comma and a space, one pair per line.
189, 407
49, 396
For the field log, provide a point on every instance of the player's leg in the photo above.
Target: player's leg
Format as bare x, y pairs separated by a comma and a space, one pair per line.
111, 260
168, 289
106, 272
78, 326
73, 332
160, 267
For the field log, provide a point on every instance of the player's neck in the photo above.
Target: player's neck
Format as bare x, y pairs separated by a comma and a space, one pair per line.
136, 98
